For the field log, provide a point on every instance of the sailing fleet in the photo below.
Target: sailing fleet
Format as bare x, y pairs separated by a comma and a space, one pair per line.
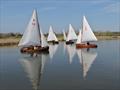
33, 39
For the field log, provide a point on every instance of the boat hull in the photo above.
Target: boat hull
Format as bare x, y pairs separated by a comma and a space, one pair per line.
32, 50
86, 46
69, 42
53, 42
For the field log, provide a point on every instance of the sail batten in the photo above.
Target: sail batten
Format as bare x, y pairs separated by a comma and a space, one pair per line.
51, 36
31, 36
71, 34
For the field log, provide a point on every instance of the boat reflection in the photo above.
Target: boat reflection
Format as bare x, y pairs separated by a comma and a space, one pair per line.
52, 50
34, 67
86, 59
71, 52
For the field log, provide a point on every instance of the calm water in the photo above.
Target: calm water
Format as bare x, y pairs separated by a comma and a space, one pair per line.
63, 68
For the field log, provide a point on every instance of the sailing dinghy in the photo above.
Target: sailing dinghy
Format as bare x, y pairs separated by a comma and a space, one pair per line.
52, 37
71, 37
86, 36
33, 39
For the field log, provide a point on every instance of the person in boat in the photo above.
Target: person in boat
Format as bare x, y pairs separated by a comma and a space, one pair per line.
88, 43
35, 47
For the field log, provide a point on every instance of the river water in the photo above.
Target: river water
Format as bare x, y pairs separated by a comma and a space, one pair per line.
64, 68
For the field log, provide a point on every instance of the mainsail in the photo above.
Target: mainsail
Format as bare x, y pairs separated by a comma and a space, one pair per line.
87, 34
31, 35
43, 40
51, 36
71, 34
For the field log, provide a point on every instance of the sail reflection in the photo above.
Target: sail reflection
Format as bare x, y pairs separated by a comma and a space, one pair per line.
86, 58
71, 52
52, 50
34, 67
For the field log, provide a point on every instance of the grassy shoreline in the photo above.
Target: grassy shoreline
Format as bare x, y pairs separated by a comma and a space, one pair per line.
13, 41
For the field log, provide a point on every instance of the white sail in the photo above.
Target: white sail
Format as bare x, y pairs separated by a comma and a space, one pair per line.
52, 50
64, 35
32, 66
71, 34
71, 52
51, 35
87, 60
79, 38
43, 40
87, 34
31, 35
79, 53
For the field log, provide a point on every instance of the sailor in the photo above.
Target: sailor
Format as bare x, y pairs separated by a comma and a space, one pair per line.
88, 43
35, 48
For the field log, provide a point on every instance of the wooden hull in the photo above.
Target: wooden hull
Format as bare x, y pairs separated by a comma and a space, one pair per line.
69, 42
86, 46
32, 50
53, 42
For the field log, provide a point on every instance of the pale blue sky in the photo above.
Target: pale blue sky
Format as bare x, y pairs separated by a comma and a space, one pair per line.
102, 15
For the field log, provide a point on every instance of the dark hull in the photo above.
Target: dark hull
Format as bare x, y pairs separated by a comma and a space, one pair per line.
69, 42
86, 46
32, 50
53, 42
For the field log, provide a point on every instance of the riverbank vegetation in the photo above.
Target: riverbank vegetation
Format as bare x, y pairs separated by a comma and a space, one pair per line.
10, 39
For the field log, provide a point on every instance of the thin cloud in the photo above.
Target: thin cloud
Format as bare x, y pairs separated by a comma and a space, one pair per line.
98, 1
113, 8
48, 8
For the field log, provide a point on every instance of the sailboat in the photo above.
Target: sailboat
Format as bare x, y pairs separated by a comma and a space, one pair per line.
71, 35
33, 39
86, 59
85, 36
52, 37
64, 35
